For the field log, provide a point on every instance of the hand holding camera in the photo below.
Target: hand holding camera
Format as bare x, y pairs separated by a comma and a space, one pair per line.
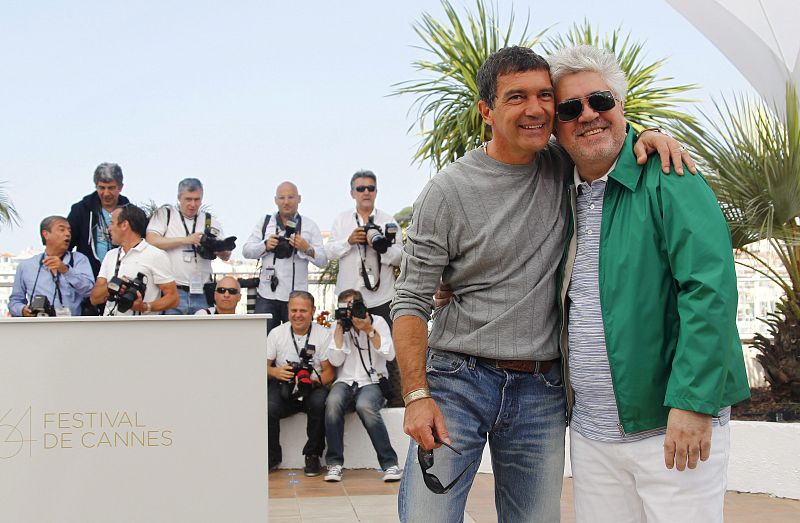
299, 384
284, 248
352, 314
377, 238
210, 244
126, 292
194, 239
358, 236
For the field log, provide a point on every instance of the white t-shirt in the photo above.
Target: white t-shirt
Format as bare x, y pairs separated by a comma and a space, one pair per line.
151, 261
185, 262
281, 349
348, 359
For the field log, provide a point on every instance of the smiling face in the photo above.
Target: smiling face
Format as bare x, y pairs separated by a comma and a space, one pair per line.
522, 116
594, 139
301, 312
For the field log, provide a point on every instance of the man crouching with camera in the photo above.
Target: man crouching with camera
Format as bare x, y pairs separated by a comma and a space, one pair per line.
134, 278
362, 344
298, 373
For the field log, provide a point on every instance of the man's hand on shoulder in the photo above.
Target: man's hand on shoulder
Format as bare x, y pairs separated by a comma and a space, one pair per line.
688, 439
652, 141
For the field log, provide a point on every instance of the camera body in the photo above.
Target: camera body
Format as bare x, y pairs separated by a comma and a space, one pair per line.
345, 313
124, 291
41, 307
380, 240
284, 249
210, 244
302, 372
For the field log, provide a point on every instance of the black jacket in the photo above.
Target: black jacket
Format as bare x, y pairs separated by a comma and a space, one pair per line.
83, 216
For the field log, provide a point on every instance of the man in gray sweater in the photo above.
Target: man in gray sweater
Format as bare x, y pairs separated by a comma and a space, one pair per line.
492, 226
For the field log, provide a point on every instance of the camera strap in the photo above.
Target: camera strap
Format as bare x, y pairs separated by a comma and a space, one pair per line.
297, 349
354, 339
279, 226
186, 228
363, 259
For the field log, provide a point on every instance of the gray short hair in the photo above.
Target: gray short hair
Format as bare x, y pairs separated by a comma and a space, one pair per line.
303, 295
108, 172
587, 58
190, 185
363, 174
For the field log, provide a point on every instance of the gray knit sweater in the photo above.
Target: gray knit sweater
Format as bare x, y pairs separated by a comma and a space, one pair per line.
495, 233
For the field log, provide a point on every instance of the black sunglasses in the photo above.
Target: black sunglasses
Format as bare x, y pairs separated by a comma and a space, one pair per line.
426, 462
233, 291
600, 101
362, 188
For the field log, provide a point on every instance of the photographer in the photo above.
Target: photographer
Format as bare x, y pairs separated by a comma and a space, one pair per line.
135, 278
364, 265
285, 242
227, 295
298, 372
362, 344
55, 282
89, 217
191, 240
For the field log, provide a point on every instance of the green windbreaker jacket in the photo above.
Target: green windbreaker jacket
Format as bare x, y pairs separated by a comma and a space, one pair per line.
668, 295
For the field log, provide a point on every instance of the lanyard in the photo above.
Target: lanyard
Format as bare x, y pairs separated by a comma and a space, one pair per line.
194, 228
279, 225
56, 281
308, 337
371, 370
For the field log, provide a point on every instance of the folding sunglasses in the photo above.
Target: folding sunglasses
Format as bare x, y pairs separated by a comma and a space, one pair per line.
600, 101
426, 462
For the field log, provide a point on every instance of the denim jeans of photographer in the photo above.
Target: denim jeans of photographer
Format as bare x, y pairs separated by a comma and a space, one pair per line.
188, 303
523, 415
278, 408
367, 402
278, 309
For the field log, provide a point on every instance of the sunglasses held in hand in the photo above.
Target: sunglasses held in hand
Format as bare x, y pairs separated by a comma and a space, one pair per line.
426, 462
600, 102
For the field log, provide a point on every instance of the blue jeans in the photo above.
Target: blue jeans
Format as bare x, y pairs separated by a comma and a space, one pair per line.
523, 415
188, 303
279, 310
367, 402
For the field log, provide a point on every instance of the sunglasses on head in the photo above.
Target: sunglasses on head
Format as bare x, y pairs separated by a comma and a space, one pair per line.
600, 102
233, 291
362, 188
426, 462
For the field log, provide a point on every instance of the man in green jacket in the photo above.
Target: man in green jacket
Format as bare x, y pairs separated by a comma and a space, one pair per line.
654, 355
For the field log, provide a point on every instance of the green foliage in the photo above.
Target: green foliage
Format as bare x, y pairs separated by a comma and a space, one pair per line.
447, 96
650, 101
8, 214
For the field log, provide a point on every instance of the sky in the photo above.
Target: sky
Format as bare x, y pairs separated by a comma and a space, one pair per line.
246, 94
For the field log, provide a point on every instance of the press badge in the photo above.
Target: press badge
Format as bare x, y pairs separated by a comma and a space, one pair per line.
188, 256
195, 284
63, 311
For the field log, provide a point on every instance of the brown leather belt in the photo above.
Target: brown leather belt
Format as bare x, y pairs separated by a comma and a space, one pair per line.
533, 366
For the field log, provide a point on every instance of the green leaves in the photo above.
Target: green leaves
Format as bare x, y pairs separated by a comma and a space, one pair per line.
8, 214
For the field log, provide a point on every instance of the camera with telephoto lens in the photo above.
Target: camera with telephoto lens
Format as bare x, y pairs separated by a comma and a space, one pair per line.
345, 313
41, 307
301, 375
124, 291
210, 244
284, 249
380, 240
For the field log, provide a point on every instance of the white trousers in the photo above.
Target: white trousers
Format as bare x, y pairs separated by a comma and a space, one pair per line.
628, 482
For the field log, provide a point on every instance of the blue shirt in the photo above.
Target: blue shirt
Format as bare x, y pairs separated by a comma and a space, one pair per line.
33, 278
102, 238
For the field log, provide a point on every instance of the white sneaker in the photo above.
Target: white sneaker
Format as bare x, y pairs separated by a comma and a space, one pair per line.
392, 474
334, 473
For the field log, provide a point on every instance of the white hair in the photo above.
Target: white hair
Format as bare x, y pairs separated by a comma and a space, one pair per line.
587, 58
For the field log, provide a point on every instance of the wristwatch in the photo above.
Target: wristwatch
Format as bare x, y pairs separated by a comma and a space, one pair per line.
310, 252
371, 334
148, 307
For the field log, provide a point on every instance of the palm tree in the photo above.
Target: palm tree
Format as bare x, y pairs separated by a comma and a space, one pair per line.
447, 96
751, 155
8, 214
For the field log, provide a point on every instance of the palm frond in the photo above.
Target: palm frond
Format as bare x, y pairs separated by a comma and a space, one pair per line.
8, 213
